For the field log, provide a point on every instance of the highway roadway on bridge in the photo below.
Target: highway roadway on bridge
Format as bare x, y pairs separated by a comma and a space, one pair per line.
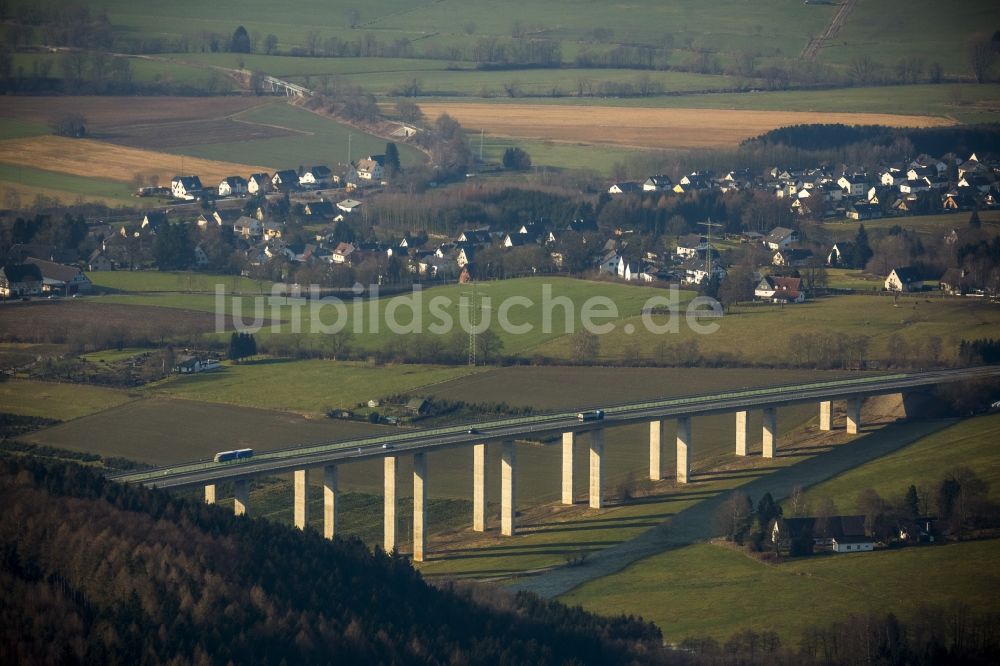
200, 473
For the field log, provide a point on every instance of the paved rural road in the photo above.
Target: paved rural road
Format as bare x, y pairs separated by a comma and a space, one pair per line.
695, 524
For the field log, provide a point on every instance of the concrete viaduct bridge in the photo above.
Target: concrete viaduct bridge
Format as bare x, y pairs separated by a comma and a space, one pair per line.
327, 456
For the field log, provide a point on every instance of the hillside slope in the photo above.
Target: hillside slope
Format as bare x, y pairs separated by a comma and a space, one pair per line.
96, 572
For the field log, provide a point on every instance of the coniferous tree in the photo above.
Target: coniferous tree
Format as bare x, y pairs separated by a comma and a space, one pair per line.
862, 248
391, 159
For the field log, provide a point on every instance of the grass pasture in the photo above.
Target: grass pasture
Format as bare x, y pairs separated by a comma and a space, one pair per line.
707, 590
307, 387
58, 401
67, 186
646, 127
878, 317
969, 443
174, 281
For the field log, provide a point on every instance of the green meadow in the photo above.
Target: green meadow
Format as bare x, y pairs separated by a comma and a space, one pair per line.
56, 400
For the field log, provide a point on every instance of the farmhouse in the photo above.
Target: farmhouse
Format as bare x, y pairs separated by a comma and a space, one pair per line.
191, 364
17, 280
905, 278
781, 237
780, 289
825, 531
233, 186
371, 167
59, 278
185, 187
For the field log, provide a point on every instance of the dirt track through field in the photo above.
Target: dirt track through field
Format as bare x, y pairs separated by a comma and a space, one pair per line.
85, 157
695, 524
647, 127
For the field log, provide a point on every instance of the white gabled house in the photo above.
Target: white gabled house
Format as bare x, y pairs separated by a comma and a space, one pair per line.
781, 237
259, 183
185, 187
232, 186
657, 183
904, 278
316, 177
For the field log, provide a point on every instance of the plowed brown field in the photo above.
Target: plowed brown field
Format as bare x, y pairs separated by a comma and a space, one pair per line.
647, 127
85, 157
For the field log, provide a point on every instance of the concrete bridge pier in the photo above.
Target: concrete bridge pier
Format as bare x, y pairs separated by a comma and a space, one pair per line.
210, 493
770, 431
241, 496
568, 443
742, 432
301, 512
479, 487
508, 488
419, 506
657, 430
826, 415
596, 467
683, 446
853, 415
389, 510
330, 501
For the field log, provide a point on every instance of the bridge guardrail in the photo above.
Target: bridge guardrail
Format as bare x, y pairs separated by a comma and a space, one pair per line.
336, 445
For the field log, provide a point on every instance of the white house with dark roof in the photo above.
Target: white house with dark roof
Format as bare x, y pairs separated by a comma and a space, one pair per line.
259, 183
904, 278
185, 187
232, 186
317, 176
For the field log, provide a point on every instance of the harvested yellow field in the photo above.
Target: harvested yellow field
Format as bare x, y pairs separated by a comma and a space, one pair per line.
647, 127
97, 159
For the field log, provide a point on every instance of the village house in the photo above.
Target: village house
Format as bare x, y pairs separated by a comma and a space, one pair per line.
233, 186
185, 187
349, 205
839, 534
371, 168
690, 245
20, 280
657, 183
781, 237
792, 257
779, 289
61, 279
248, 227
854, 185
189, 364
259, 183
342, 253
904, 278
316, 177
624, 188
285, 180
